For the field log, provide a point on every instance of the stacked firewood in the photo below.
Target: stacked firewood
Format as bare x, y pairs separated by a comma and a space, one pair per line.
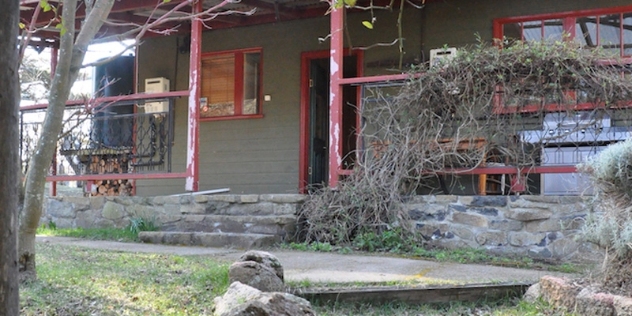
112, 188
108, 165
104, 164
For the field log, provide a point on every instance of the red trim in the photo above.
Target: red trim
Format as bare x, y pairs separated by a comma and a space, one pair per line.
231, 117
137, 96
195, 66
370, 79
336, 66
238, 91
134, 132
306, 57
569, 22
117, 176
560, 15
508, 170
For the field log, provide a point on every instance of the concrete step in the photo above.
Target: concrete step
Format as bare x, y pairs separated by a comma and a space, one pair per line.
231, 240
281, 226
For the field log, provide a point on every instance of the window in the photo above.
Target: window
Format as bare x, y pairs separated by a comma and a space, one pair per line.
231, 85
610, 29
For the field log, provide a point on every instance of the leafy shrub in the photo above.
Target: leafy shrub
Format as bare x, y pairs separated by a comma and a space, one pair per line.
611, 172
140, 224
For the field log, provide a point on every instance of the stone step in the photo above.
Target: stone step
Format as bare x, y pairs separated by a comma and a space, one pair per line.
231, 240
281, 226
252, 209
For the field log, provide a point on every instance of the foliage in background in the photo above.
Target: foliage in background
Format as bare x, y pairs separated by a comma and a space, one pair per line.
610, 226
449, 116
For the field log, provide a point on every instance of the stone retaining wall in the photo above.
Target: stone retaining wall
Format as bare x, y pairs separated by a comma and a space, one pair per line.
542, 227
538, 226
98, 212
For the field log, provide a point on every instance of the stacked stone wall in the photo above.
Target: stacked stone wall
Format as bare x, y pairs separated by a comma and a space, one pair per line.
170, 212
542, 227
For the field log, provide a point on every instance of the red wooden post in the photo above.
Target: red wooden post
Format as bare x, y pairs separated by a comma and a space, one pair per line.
195, 76
335, 95
53, 67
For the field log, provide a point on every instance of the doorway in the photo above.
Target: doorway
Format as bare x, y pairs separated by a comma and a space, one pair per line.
314, 151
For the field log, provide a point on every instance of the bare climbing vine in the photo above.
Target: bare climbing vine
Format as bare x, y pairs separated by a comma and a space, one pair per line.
457, 116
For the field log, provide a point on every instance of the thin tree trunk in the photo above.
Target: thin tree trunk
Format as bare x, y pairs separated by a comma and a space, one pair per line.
71, 54
9, 142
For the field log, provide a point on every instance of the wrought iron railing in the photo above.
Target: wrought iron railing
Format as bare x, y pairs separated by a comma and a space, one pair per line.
111, 138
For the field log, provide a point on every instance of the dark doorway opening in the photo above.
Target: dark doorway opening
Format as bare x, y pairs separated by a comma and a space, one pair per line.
315, 148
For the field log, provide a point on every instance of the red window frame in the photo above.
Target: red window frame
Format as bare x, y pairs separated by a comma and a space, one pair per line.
239, 84
569, 20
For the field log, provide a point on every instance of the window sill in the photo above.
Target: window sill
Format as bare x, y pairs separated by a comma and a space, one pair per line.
231, 117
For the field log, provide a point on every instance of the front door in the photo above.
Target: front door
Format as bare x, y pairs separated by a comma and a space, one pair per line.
318, 158
315, 119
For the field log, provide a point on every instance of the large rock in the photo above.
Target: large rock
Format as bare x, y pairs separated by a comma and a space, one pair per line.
244, 300
264, 258
533, 293
259, 269
595, 304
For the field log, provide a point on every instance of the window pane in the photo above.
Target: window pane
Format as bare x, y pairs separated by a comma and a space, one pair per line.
251, 83
627, 34
609, 34
218, 85
586, 31
553, 30
532, 31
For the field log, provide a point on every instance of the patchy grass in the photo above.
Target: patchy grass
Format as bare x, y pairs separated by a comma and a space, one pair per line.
464, 255
501, 308
128, 234
116, 234
79, 281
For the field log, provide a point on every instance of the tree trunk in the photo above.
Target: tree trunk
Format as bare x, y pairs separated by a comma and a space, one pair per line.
71, 53
9, 157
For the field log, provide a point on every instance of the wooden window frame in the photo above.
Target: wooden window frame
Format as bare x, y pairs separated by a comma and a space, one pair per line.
238, 55
569, 19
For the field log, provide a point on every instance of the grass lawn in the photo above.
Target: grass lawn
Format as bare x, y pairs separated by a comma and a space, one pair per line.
79, 281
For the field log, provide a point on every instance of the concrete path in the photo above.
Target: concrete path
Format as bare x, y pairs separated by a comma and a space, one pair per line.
337, 268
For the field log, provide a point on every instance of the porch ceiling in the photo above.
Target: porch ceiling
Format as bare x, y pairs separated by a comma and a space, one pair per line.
128, 14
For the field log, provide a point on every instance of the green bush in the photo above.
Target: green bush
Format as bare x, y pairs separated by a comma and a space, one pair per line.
140, 224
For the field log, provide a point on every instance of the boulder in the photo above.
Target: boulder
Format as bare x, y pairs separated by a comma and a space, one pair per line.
265, 258
256, 275
533, 293
243, 300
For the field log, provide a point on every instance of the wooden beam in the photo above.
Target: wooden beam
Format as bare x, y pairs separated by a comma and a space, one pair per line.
336, 51
195, 92
420, 295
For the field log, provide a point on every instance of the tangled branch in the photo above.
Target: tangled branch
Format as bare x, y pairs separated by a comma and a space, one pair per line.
460, 115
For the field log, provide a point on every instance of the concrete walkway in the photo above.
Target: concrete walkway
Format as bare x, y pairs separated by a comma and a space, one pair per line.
337, 268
